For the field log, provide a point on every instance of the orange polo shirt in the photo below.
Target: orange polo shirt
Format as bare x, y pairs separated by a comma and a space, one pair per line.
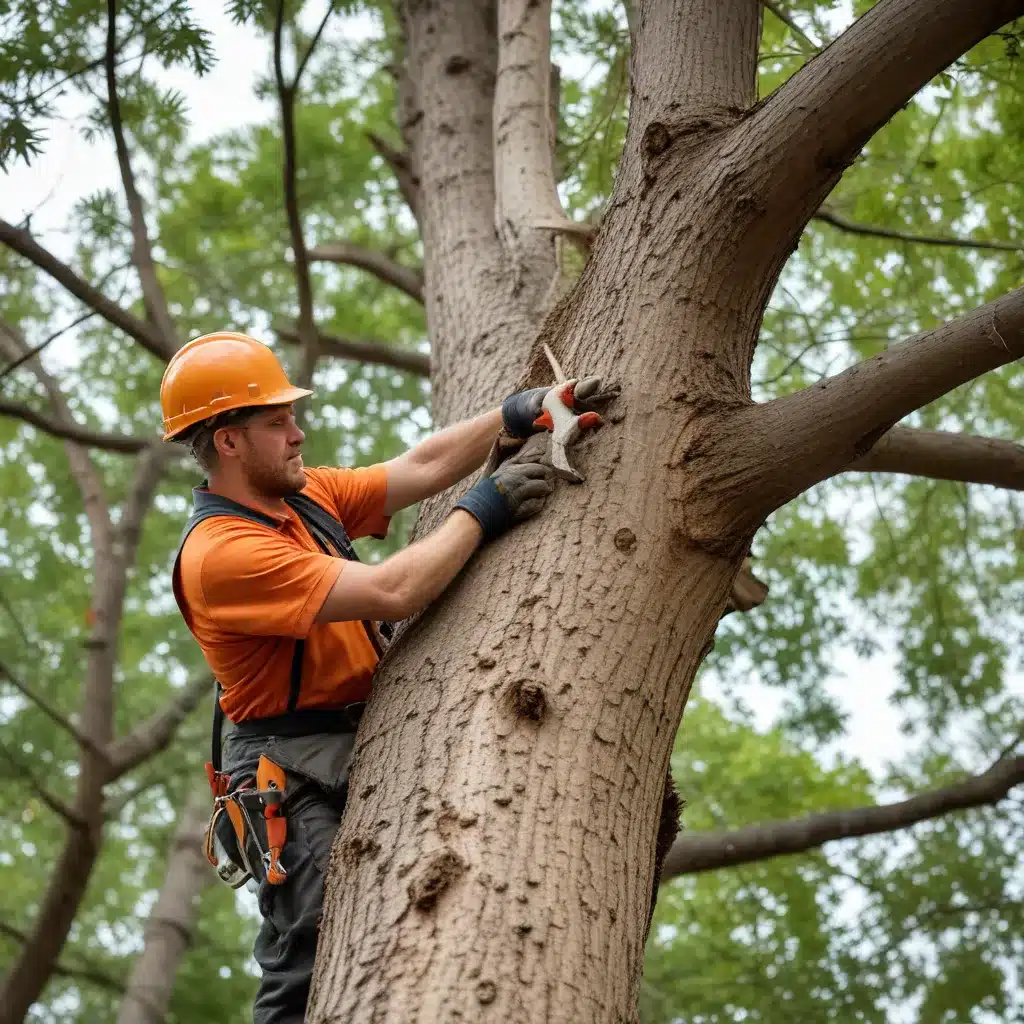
250, 590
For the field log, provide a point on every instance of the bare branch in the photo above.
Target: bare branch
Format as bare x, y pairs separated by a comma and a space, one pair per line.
812, 127
943, 455
114, 805
25, 245
580, 234
306, 327
30, 693
142, 252
313, 42
26, 356
93, 975
804, 41
406, 279
810, 435
375, 352
828, 216
401, 165
71, 431
706, 851
156, 733
55, 804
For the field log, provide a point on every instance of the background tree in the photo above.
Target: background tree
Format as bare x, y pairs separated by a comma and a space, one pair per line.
922, 226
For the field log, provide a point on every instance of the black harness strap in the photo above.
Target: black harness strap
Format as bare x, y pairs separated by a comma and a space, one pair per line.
330, 536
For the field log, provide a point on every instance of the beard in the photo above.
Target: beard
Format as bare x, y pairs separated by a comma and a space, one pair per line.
274, 479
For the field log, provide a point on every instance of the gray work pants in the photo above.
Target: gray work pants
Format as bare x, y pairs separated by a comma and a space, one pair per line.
285, 948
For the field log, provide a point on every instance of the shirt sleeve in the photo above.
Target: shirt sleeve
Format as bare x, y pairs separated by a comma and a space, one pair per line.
358, 496
259, 584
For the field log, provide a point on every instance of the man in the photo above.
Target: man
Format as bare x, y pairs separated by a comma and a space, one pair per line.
267, 583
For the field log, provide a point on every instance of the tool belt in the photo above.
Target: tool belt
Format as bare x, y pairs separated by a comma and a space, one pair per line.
248, 827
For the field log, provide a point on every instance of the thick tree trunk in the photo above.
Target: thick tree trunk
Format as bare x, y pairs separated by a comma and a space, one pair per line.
169, 928
497, 854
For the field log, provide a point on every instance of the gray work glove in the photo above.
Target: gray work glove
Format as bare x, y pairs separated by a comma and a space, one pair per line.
513, 492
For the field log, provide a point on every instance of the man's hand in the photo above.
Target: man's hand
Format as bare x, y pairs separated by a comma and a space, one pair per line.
521, 409
515, 491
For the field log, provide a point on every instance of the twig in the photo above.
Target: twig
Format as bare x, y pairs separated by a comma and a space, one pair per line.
48, 709
806, 43
375, 352
85, 973
406, 279
55, 804
829, 216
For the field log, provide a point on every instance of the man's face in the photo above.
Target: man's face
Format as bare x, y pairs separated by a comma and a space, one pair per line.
269, 448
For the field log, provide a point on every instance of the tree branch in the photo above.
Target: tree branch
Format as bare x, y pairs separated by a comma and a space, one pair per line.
406, 279
306, 327
804, 41
93, 975
693, 60
71, 431
808, 436
375, 352
943, 455
401, 166
142, 253
812, 127
524, 173
30, 693
55, 804
705, 851
49, 339
747, 590
828, 216
144, 333
156, 733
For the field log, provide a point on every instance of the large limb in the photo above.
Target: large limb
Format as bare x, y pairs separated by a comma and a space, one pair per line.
406, 279
705, 851
693, 62
812, 127
943, 455
142, 252
374, 352
822, 429
156, 732
146, 334
524, 172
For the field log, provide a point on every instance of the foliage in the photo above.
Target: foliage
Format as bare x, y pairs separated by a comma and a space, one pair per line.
927, 576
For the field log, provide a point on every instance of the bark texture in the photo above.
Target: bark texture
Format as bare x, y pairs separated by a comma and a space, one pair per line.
498, 852
169, 929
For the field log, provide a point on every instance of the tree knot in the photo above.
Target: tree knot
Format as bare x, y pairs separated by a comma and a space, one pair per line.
527, 699
438, 873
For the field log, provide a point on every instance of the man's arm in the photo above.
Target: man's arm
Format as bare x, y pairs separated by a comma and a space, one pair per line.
439, 461
408, 581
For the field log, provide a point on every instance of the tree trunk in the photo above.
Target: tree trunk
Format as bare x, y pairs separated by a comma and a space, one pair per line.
497, 854
169, 928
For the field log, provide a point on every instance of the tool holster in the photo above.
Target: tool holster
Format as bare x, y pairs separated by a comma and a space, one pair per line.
235, 838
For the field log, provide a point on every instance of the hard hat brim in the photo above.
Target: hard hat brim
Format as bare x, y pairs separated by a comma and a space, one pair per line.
283, 397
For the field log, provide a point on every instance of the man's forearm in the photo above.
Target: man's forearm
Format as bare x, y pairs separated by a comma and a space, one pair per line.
441, 460
456, 451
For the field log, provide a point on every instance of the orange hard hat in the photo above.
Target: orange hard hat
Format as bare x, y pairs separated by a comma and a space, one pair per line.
219, 372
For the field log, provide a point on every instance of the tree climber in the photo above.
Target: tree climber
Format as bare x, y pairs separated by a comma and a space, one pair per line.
292, 624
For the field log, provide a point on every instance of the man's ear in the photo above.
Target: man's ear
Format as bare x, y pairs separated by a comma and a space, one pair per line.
224, 441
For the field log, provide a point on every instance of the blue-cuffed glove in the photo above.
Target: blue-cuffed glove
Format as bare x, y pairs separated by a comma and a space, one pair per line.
513, 492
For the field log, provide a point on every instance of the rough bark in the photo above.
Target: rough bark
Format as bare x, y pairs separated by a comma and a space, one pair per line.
707, 851
168, 932
498, 851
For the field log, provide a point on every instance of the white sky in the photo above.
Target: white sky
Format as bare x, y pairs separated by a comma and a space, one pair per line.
222, 100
